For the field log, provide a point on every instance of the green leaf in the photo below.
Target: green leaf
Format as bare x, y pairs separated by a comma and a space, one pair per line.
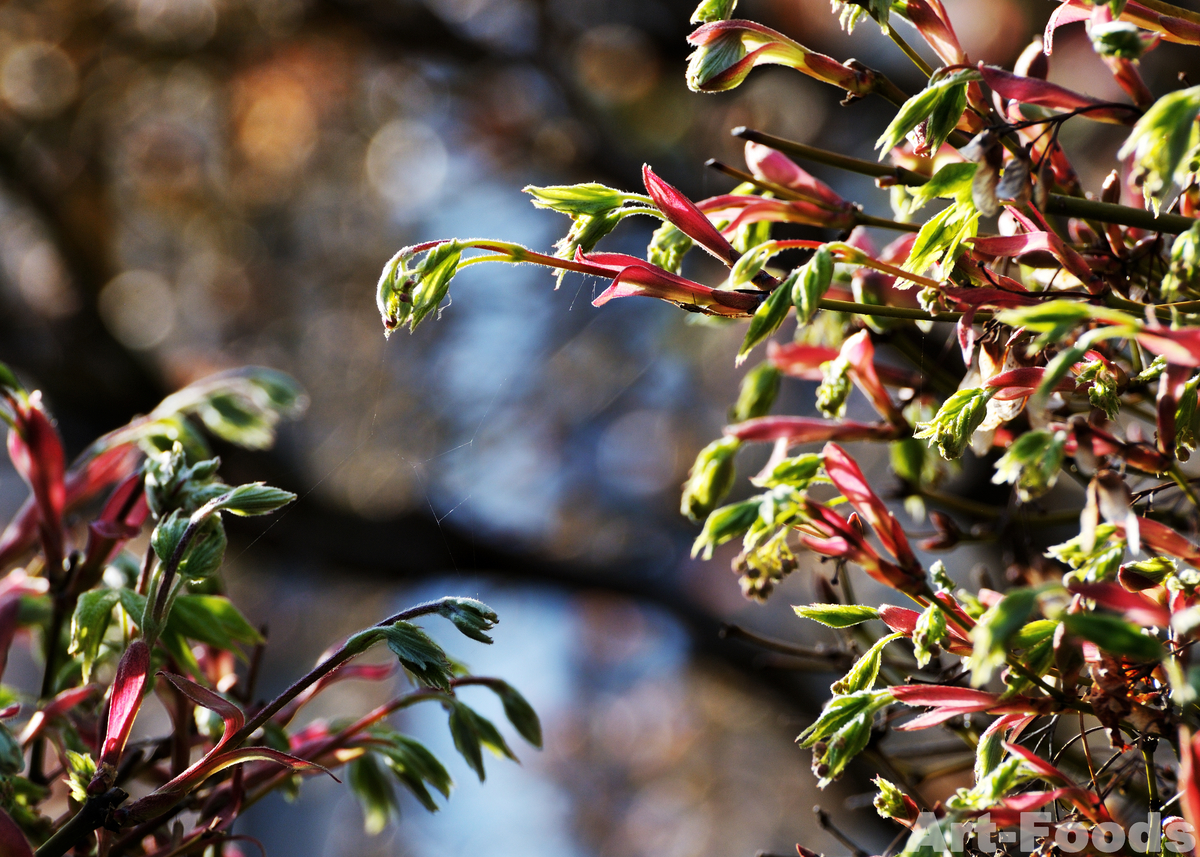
725, 523
165, 537
1098, 561
518, 711
589, 198
8, 380
1032, 462
953, 181
865, 671
80, 769
1113, 634
837, 615
929, 633
374, 792
419, 654
212, 619
12, 759
1035, 632
254, 498
798, 472
414, 766
88, 623
989, 753
834, 389
433, 277
711, 477
994, 631
206, 552
473, 618
945, 115
941, 236
936, 102
841, 710
767, 318
809, 284
1164, 142
471, 733
844, 728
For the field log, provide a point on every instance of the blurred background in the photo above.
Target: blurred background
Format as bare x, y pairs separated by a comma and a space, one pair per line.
192, 185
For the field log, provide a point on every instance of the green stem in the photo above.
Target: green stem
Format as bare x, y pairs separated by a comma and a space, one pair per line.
1068, 206
1171, 11
895, 311
918, 60
1185, 486
782, 192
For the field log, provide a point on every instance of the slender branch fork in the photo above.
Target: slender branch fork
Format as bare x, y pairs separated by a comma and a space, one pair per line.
95, 811
1069, 206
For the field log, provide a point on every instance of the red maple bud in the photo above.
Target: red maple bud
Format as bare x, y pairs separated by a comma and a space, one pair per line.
744, 209
859, 352
904, 621
933, 23
1181, 347
634, 277
123, 709
827, 533
950, 702
798, 430
1033, 242
686, 217
769, 165
1136, 607
215, 760
848, 478
1032, 90
1189, 775
121, 519
37, 454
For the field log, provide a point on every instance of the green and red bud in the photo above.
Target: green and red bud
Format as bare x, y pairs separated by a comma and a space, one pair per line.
726, 51
123, 707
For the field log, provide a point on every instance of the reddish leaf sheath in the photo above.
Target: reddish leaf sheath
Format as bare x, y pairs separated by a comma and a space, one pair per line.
122, 712
37, 454
809, 430
12, 841
687, 218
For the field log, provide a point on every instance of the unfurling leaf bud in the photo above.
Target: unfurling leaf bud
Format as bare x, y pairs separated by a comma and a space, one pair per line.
710, 478
713, 10
757, 393
951, 428
1185, 262
767, 318
893, 803
407, 295
724, 524
835, 388
667, 248
578, 199
809, 284
1120, 40
254, 498
473, 618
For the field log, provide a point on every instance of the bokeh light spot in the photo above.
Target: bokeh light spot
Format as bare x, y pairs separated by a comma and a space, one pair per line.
38, 80
138, 307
